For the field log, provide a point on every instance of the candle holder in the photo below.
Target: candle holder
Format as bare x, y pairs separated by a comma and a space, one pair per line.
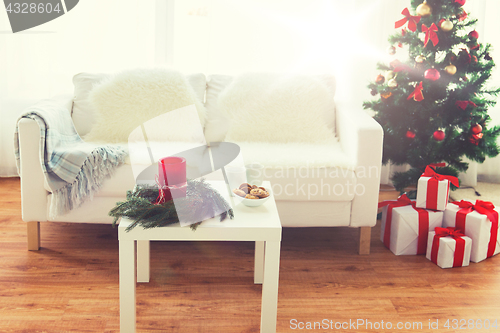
172, 181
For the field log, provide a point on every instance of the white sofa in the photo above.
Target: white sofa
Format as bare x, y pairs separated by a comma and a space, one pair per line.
333, 196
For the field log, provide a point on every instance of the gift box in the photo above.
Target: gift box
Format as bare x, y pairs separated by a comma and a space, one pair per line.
479, 222
433, 189
405, 228
448, 247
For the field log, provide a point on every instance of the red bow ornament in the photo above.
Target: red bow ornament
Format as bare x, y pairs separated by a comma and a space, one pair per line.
475, 138
484, 208
458, 258
412, 20
417, 93
430, 33
463, 104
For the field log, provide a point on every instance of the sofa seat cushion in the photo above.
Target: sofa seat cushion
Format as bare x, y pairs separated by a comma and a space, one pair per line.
304, 171
297, 172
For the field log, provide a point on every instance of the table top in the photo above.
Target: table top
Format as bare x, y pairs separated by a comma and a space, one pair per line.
249, 224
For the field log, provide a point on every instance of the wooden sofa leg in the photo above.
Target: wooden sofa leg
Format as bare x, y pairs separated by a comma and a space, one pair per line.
364, 240
33, 234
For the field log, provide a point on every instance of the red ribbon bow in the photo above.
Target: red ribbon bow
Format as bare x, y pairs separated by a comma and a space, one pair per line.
423, 221
430, 172
455, 233
412, 20
417, 93
463, 104
482, 207
450, 231
430, 33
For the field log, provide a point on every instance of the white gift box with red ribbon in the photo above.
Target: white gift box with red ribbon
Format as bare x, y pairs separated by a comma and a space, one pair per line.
448, 251
405, 228
432, 194
484, 232
433, 189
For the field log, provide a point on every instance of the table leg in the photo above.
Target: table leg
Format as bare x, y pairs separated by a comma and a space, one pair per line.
143, 261
269, 308
127, 286
258, 272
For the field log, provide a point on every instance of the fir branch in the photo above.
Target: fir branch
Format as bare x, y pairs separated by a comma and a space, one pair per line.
201, 201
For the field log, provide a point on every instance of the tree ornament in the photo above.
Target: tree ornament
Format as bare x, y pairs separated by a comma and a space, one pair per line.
391, 50
476, 129
462, 16
446, 25
432, 74
474, 138
419, 59
438, 135
464, 104
460, 2
424, 9
417, 93
392, 83
473, 34
430, 34
473, 45
389, 75
385, 95
373, 92
410, 134
380, 79
451, 69
412, 21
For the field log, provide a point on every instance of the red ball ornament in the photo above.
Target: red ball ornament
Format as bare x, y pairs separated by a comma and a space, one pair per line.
438, 135
460, 2
474, 34
432, 74
410, 134
476, 129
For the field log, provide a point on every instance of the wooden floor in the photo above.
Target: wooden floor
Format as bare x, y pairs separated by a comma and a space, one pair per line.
71, 284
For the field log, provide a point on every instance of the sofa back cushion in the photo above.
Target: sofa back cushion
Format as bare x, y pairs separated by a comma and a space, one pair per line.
255, 98
84, 113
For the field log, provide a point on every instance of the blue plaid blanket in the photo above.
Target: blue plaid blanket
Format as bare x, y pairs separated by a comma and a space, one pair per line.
73, 169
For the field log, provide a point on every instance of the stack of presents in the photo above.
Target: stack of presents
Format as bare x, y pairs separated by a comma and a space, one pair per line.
449, 234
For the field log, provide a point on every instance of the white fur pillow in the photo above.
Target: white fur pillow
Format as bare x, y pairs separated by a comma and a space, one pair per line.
272, 108
128, 99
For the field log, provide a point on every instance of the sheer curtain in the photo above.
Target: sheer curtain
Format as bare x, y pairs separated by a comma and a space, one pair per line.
95, 36
346, 38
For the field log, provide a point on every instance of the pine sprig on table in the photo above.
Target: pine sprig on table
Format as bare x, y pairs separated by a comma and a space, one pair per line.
201, 201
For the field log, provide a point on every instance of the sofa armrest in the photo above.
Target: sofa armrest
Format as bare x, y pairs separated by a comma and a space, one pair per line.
33, 192
361, 138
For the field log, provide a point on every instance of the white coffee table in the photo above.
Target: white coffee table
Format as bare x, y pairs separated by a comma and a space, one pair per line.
257, 224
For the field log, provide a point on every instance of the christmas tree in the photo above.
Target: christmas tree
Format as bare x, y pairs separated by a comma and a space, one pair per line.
433, 106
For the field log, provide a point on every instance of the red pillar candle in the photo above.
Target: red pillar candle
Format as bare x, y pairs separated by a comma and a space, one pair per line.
172, 173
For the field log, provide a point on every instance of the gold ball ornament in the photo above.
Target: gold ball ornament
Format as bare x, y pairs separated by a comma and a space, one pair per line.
389, 75
392, 83
419, 59
424, 9
446, 26
450, 69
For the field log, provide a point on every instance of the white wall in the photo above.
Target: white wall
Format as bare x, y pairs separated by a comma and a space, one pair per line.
97, 36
